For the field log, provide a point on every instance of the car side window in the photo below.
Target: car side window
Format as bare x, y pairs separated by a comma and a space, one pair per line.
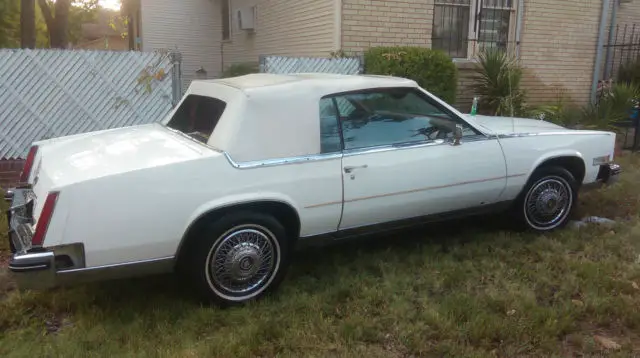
329, 129
392, 116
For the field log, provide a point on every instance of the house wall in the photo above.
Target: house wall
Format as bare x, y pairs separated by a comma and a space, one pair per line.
627, 26
285, 28
557, 45
193, 27
629, 14
367, 23
558, 48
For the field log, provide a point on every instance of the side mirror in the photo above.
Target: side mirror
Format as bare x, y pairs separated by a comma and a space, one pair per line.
457, 134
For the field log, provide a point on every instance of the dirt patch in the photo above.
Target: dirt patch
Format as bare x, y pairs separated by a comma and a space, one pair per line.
4, 260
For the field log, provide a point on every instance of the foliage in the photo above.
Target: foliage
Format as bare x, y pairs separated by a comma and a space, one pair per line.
629, 72
561, 113
467, 289
10, 25
339, 54
240, 69
80, 12
615, 104
431, 69
497, 83
64, 19
154, 72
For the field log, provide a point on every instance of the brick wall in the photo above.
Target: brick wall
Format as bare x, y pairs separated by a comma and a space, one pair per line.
10, 171
367, 23
465, 81
558, 48
558, 42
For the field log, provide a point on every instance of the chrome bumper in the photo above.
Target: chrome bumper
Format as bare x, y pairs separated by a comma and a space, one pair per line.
608, 174
33, 267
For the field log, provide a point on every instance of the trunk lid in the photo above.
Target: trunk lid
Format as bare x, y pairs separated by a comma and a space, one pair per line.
67, 160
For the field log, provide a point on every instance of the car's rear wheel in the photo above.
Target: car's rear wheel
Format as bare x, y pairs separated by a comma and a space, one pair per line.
548, 199
238, 258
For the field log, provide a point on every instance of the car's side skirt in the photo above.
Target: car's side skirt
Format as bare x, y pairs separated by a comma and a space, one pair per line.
396, 225
116, 271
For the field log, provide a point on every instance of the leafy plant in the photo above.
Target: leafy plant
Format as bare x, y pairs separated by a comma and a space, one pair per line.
561, 112
431, 69
497, 82
240, 69
615, 105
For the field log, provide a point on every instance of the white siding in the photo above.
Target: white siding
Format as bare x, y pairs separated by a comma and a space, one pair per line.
284, 27
192, 26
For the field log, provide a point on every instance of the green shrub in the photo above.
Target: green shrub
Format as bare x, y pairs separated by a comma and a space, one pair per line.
497, 83
431, 69
240, 69
616, 104
561, 113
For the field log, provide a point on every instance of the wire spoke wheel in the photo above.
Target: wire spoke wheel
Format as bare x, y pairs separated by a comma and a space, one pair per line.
243, 261
548, 203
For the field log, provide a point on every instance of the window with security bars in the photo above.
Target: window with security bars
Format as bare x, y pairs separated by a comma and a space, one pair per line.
462, 27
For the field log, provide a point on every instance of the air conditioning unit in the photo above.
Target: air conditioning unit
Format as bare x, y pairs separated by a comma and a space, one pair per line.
246, 18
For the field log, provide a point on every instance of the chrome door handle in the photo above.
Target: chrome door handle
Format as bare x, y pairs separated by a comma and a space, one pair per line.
352, 168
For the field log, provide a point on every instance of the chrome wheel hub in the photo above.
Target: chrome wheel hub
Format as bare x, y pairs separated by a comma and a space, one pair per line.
548, 202
242, 261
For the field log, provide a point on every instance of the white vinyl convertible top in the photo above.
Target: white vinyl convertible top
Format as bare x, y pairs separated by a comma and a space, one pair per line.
270, 116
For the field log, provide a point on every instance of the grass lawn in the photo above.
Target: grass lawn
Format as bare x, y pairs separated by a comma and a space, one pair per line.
467, 289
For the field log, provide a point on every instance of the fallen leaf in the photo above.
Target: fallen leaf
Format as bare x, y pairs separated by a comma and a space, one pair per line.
578, 303
607, 343
511, 312
635, 285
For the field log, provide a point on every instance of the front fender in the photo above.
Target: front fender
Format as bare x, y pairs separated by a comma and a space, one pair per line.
553, 155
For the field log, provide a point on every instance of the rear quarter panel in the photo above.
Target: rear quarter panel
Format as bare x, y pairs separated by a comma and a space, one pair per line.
523, 154
142, 215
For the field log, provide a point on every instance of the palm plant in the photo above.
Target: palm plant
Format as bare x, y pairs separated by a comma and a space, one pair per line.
497, 82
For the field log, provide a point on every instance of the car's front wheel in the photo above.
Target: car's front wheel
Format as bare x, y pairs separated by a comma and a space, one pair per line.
239, 257
548, 199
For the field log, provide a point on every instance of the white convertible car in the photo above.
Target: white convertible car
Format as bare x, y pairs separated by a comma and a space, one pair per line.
246, 168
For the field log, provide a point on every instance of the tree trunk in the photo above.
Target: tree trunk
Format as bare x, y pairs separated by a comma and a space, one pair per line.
59, 35
56, 22
27, 23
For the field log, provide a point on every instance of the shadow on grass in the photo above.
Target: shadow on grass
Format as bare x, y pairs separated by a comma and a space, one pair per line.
438, 237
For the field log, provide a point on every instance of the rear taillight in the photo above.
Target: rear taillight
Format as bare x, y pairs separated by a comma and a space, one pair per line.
28, 164
45, 217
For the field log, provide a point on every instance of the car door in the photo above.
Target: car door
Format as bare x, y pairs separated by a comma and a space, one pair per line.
400, 161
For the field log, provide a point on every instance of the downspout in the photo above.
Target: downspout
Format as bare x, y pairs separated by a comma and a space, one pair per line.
612, 26
337, 25
520, 17
600, 45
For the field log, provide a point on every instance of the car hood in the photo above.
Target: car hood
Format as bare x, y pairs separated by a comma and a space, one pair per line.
511, 125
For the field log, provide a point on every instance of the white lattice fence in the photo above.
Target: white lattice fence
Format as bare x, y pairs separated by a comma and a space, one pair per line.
52, 93
284, 65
